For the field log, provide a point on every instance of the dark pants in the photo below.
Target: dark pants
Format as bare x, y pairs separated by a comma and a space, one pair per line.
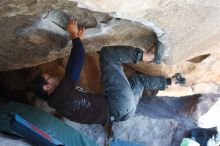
123, 94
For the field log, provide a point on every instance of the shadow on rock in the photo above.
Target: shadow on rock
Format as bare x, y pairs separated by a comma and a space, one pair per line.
185, 110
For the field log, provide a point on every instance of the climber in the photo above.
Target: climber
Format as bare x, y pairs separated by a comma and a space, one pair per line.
121, 95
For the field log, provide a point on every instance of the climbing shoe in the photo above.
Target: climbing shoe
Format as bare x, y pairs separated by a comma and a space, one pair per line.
179, 79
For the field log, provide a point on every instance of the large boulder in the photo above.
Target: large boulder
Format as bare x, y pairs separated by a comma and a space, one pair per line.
187, 28
33, 32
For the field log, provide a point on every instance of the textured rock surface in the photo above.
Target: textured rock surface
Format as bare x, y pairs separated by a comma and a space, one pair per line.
146, 130
37, 35
185, 110
30, 38
188, 28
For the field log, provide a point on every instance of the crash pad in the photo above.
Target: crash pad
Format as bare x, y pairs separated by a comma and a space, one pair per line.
44, 121
119, 142
32, 133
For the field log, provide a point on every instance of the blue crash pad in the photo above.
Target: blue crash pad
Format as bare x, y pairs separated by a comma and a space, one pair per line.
118, 142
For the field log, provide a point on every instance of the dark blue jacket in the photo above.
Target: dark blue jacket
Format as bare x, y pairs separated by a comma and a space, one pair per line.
76, 60
74, 104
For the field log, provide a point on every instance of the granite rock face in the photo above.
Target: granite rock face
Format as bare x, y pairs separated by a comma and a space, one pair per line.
33, 32
187, 28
